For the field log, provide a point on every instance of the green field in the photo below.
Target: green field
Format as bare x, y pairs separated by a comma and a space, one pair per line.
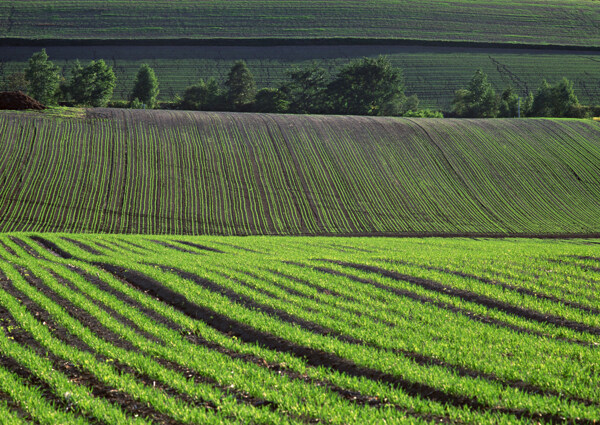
432, 73
176, 172
570, 22
211, 330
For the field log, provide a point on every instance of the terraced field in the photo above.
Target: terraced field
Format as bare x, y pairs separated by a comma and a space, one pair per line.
432, 73
571, 22
167, 172
133, 329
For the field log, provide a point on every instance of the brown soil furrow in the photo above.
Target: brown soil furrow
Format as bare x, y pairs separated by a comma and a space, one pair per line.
108, 336
232, 246
319, 288
66, 337
100, 284
202, 247
425, 360
313, 357
82, 246
114, 314
51, 247
29, 250
16, 409
250, 304
30, 379
352, 396
125, 248
81, 377
106, 247
449, 307
8, 249
581, 266
506, 286
176, 248
482, 300
299, 294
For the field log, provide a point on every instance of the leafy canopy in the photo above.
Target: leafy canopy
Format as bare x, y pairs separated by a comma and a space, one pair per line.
145, 88
240, 86
92, 85
43, 77
366, 86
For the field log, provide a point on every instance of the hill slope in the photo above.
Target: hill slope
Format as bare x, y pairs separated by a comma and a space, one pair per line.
224, 173
572, 22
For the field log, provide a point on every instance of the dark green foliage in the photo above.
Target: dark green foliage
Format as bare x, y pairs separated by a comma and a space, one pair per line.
145, 88
478, 100
204, 96
366, 87
271, 100
306, 90
509, 104
423, 113
240, 86
43, 77
554, 100
91, 85
16, 82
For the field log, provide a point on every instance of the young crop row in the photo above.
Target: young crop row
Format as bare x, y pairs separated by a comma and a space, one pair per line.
432, 73
126, 329
160, 172
556, 22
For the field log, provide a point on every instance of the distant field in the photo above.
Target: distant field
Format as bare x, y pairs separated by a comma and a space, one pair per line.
123, 171
274, 330
433, 73
570, 22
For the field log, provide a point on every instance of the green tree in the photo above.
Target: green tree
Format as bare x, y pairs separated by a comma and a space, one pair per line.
145, 88
240, 87
43, 77
509, 103
16, 82
557, 100
93, 84
271, 100
204, 96
365, 87
306, 90
479, 100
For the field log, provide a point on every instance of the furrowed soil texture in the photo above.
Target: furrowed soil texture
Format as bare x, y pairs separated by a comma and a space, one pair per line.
176, 172
572, 22
303, 330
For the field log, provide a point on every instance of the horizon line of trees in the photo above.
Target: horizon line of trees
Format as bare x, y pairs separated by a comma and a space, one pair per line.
364, 86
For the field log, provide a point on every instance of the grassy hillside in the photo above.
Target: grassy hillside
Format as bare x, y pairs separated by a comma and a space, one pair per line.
227, 173
275, 330
432, 73
570, 22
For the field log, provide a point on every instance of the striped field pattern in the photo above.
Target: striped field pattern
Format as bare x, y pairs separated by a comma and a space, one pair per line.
572, 22
268, 330
169, 172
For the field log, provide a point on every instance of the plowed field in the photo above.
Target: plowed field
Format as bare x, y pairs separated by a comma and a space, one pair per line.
157, 172
572, 22
179, 329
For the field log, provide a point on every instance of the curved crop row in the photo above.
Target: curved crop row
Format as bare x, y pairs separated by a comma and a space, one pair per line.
160, 172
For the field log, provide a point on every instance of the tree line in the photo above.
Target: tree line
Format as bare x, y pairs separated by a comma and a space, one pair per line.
367, 86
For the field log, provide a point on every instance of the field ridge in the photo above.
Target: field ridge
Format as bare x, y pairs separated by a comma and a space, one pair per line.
180, 172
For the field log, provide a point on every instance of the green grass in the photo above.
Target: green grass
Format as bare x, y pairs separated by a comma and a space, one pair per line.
155, 172
290, 330
432, 73
572, 22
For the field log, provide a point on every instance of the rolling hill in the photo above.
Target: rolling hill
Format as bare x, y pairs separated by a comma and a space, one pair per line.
177, 172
